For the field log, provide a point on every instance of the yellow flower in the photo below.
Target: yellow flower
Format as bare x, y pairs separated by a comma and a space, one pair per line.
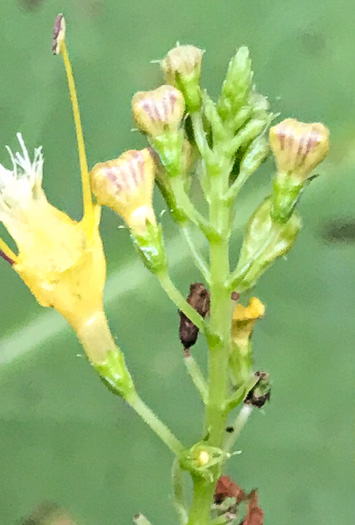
244, 319
126, 186
298, 147
61, 260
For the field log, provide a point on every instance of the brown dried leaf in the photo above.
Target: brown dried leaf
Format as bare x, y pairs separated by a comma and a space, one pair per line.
254, 515
226, 488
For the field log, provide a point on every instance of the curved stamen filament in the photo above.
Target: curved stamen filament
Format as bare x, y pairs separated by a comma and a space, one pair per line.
87, 198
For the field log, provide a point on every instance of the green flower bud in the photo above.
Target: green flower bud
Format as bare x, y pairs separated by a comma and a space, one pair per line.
182, 69
237, 85
255, 155
264, 241
114, 373
298, 148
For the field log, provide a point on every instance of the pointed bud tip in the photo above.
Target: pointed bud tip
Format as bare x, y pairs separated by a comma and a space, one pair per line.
58, 34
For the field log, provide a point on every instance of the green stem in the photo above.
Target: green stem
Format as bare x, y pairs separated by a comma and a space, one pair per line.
219, 347
197, 257
177, 298
160, 429
201, 503
239, 424
196, 375
199, 133
184, 202
179, 501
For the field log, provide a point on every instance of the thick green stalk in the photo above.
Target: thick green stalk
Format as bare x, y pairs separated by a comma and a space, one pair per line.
219, 341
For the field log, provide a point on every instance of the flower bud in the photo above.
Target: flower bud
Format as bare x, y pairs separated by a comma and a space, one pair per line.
159, 111
299, 147
182, 69
126, 186
264, 241
237, 85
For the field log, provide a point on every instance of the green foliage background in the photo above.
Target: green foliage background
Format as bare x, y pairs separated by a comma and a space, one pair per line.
63, 437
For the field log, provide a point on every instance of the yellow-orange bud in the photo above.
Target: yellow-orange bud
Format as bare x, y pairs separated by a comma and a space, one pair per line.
298, 147
126, 186
158, 111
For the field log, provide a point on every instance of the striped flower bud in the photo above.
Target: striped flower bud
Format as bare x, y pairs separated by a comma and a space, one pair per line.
298, 147
126, 186
159, 111
182, 69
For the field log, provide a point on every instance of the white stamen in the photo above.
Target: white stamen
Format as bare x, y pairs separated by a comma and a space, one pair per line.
23, 184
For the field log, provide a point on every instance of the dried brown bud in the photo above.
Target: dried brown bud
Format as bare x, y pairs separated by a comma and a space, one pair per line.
199, 299
254, 515
261, 392
226, 488
58, 34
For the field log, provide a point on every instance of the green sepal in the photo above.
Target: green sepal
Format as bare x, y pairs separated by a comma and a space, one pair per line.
150, 246
190, 88
264, 241
115, 374
287, 192
169, 147
176, 211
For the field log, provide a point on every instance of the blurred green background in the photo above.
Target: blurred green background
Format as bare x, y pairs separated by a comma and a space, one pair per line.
63, 437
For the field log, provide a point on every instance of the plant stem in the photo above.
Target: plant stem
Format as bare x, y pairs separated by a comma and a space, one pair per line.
184, 202
239, 424
160, 429
219, 343
179, 501
197, 257
196, 375
177, 298
199, 133
202, 500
